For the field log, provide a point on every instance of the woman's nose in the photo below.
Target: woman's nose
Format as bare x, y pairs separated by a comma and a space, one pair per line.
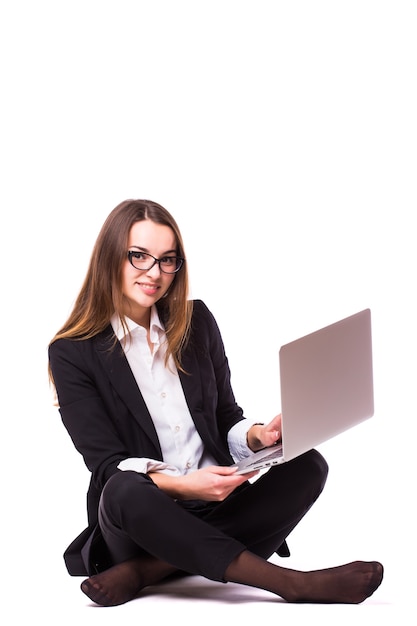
155, 270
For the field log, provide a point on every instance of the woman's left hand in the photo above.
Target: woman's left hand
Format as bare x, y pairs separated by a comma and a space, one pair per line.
265, 435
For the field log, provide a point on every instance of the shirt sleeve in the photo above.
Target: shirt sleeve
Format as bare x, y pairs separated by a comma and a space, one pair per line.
237, 440
144, 466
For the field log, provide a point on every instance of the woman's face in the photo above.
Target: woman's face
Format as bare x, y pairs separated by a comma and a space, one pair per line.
142, 288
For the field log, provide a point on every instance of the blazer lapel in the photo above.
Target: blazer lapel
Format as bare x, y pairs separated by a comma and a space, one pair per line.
192, 385
190, 381
117, 368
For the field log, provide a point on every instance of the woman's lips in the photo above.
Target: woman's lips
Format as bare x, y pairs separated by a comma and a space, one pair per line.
149, 289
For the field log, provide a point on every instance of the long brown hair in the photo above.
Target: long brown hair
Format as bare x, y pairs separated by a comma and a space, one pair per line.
101, 293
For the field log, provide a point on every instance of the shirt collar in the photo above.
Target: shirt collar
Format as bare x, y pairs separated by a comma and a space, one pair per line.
156, 328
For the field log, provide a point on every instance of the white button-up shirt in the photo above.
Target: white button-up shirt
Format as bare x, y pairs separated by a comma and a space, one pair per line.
182, 448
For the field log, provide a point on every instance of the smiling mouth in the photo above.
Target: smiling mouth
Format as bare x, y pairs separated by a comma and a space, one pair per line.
148, 287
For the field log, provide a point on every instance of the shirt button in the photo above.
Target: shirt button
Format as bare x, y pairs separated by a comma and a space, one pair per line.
177, 429
163, 394
188, 465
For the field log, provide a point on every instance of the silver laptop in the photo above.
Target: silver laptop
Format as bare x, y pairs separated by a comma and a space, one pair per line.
326, 388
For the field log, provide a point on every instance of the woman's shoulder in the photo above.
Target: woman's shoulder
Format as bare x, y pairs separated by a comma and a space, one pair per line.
203, 320
201, 311
199, 307
81, 344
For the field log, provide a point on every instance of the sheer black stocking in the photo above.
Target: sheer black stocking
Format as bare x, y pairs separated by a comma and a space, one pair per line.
124, 581
348, 584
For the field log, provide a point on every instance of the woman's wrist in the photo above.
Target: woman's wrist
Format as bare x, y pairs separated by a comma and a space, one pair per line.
171, 485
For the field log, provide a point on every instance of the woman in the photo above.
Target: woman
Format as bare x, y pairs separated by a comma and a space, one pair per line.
143, 387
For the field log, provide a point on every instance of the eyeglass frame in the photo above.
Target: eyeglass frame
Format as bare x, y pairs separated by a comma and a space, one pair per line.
180, 260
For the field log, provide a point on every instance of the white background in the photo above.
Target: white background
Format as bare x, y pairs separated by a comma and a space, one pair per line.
282, 136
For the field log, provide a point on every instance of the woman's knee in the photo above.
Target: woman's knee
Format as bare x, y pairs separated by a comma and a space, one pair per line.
123, 488
315, 468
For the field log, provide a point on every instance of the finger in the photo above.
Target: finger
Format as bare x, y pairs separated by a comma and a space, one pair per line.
273, 436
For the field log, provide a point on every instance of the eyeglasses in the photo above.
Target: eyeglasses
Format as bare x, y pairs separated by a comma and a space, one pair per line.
145, 261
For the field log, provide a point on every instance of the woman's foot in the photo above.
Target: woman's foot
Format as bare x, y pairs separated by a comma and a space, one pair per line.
123, 582
347, 584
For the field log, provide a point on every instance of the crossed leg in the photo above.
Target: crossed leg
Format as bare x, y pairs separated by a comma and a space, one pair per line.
183, 543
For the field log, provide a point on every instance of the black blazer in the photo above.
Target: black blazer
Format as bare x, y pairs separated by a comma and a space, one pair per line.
105, 414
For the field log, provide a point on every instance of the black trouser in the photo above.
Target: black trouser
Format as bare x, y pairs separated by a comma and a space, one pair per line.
203, 538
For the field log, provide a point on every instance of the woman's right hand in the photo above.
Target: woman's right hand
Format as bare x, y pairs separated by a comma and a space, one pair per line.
213, 483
